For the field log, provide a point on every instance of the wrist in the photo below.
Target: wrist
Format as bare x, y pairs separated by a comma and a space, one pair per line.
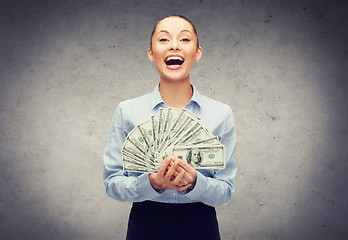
155, 186
193, 183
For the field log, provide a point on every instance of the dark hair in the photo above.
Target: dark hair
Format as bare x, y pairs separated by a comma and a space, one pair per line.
173, 15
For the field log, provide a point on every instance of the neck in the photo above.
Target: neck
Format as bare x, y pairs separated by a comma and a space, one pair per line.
175, 94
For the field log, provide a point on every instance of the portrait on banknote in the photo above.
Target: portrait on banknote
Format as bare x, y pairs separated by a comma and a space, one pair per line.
194, 157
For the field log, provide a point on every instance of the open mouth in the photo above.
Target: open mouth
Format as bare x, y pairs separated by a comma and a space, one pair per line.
172, 61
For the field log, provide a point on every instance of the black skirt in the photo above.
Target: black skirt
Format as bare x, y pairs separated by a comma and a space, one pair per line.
166, 221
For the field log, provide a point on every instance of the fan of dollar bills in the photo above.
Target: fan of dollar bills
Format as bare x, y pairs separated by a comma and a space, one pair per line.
172, 132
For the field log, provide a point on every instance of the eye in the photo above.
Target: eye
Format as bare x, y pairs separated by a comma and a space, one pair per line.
163, 39
186, 40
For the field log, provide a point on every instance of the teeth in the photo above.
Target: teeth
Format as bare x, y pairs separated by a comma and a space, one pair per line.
175, 58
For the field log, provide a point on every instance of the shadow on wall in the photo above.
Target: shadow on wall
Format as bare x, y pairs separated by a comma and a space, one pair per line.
25, 214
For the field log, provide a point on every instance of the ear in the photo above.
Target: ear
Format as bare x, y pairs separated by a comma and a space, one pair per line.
198, 53
150, 54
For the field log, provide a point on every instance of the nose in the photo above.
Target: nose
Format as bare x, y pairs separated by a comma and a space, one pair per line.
174, 45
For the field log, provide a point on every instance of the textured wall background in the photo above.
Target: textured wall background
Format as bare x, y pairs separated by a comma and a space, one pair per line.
281, 66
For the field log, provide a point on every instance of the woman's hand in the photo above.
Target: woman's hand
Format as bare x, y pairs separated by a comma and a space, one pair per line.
165, 178
190, 173
187, 177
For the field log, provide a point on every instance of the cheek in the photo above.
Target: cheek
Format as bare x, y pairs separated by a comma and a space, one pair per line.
158, 54
156, 58
192, 53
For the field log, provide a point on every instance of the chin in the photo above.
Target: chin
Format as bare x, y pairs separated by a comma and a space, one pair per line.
174, 78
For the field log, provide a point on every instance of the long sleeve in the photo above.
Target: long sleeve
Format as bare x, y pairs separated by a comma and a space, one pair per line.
119, 185
213, 187
216, 187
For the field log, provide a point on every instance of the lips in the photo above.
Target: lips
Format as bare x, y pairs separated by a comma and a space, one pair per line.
174, 61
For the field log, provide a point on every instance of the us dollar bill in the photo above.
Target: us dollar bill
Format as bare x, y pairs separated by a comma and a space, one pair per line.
146, 132
154, 123
172, 132
161, 119
171, 116
213, 141
201, 133
168, 151
185, 126
137, 140
145, 129
129, 147
201, 156
134, 165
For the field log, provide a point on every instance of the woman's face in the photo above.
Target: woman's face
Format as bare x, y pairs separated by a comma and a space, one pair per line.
174, 49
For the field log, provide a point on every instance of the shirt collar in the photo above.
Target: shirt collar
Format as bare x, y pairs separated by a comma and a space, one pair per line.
156, 98
196, 96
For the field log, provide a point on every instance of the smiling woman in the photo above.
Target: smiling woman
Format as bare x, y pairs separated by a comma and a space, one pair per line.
178, 195
174, 48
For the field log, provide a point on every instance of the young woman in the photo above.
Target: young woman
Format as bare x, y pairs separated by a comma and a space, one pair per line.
177, 202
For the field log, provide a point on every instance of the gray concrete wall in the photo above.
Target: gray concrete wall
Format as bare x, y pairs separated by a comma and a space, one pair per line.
281, 66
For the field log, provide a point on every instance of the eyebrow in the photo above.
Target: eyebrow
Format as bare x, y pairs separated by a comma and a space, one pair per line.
185, 30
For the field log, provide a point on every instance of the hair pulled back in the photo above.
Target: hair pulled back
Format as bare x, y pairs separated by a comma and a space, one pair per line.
173, 15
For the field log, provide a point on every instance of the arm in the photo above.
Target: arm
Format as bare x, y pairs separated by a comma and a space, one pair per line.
217, 189
119, 184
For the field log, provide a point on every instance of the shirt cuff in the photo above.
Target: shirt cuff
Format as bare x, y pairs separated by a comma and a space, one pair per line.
199, 189
145, 188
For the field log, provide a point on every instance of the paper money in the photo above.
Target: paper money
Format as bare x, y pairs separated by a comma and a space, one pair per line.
172, 132
201, 156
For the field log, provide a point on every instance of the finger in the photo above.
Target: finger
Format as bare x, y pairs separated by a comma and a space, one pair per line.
171, 170
188, 177
192, 173
162, 170
179, 168
188, 168
183, 181
178, 178
182, 188
182, 163
176, 172
172, 162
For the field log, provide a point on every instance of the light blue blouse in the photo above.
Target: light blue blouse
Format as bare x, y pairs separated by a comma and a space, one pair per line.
213, 187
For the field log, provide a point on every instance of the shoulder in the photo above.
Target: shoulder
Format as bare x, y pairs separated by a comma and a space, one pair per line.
217, 117
214, 107
132, 112
134, 102
135, 105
